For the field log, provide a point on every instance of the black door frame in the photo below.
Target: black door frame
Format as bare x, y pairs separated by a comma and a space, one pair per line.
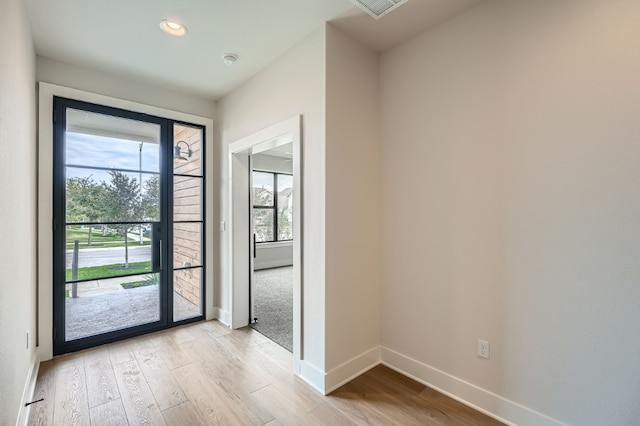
162, 247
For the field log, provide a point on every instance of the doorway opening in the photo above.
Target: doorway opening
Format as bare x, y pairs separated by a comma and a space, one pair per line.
271, 295
265, 222
128, 209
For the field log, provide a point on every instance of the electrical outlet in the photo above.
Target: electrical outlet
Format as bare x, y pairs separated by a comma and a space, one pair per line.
483, 349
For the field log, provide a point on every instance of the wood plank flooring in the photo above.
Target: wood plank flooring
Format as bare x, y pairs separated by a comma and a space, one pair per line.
207, 374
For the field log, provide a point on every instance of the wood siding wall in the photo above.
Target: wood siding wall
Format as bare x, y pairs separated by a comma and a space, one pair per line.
187, 205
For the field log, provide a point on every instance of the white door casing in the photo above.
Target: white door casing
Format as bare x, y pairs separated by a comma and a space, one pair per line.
288, 131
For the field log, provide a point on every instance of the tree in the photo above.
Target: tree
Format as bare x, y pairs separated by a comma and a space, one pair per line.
151, 197
85, 201
122, 203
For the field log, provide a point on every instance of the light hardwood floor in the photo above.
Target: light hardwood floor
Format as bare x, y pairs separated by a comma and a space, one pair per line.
206, 374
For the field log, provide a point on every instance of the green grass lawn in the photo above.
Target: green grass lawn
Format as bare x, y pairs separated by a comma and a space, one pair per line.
109, 271
136, 284
82, 234
111, 239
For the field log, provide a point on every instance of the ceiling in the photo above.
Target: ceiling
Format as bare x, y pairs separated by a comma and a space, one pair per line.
282, 151
123, 37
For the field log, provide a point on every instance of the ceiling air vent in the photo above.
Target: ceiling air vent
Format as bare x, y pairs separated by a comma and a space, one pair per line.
378, 8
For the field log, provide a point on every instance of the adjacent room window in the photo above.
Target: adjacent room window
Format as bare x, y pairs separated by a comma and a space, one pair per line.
272, 206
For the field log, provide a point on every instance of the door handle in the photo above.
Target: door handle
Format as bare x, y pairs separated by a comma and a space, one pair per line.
156, 250
254, 246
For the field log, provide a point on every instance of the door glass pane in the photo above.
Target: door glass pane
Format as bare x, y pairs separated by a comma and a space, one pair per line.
111, 201
263, 189
263, 224
100, 306
105, 141
187, 285
111, 196
187, 245
98, 251
187, 149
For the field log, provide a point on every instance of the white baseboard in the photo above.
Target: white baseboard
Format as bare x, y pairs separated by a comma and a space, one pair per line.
502, 409
270, 264
351, 369
326, 383
27, 393
222, 315
312, 375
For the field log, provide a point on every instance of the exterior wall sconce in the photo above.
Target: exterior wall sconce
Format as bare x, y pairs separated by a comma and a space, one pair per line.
181, 155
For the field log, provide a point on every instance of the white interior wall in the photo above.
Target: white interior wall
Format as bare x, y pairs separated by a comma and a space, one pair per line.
353, 203
102, 83
239, 276
510, 186
515, 124
293, 84
18, 208
273, 255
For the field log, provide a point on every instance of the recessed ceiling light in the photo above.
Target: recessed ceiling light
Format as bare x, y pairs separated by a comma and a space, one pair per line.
229, 58
173, 28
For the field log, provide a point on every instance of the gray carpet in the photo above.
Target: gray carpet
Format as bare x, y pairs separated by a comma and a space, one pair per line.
273, 290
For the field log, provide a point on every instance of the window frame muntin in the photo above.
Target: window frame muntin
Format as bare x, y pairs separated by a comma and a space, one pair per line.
274, 207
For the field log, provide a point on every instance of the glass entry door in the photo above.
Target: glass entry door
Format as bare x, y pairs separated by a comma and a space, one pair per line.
117, 265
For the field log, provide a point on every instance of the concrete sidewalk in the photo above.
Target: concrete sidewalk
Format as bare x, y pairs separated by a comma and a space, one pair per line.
118, 309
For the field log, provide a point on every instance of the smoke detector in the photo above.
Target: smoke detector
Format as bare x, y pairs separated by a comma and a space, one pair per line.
229, 58
378, 8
